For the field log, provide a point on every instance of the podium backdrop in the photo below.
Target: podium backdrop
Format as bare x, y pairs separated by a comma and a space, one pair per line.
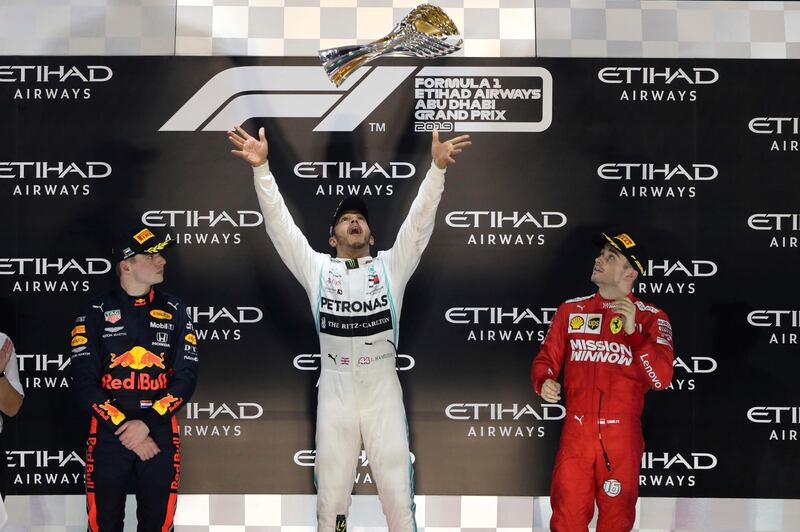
697, 159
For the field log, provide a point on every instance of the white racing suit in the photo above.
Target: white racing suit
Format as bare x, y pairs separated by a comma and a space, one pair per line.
356, 306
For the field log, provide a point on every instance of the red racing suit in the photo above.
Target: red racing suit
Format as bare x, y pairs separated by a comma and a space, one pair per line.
606, 374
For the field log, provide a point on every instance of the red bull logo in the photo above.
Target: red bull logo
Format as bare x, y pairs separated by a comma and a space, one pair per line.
108, 411
134, 381
162, 405
137, 358
191, 338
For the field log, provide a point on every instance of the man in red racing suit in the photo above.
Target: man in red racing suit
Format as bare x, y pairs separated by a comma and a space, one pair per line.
613, 348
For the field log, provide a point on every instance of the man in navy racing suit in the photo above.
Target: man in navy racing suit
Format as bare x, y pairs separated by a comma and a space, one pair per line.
356, 300
134, 364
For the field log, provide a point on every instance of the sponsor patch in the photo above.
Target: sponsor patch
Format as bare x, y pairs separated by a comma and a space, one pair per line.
79, 329
593, 323
114, 329
646, 308
577, 322
79, 349
78, 340
626, 240
615, 325
663, 341
143, 236
112, 316
160, 314
145, 403
612, 487
191, 338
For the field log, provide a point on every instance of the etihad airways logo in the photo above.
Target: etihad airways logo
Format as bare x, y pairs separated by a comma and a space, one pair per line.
672, 276
204, 227
777, 415
502, 420
778, 128
54, 73
218, 420
776, 320
45, 467
506, 228
657, 180
777, 222
65, 82
222, 323
171, 218
658, 75
38, 171
42, 370
238, 94
338, 171
663, 84
670, 469
349, 170
502, 324
52, 274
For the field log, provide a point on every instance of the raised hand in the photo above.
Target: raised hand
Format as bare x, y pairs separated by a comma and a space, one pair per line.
443, 152
5, 353
252, 150
627, 310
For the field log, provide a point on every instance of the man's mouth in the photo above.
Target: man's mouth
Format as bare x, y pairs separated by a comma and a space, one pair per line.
355, 230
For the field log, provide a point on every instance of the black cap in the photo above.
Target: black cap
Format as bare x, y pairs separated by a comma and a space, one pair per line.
140, 240
626, 245
350, 203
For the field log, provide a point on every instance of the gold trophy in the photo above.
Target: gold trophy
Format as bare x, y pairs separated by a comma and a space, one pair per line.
425, 32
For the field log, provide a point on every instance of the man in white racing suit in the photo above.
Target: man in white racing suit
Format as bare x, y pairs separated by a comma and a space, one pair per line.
356, 300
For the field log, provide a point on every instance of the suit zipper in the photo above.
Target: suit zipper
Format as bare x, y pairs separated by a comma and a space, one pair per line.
600, 433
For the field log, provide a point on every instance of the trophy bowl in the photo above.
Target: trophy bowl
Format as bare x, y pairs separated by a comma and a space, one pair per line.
425, 32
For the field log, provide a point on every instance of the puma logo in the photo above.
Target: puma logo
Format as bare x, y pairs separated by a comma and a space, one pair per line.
100, 306
578, 419
173, 305
332, 358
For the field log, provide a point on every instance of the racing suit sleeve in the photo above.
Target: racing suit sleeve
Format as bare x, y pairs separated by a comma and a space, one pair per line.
547, 364
651, 343
183, 378
289, 241
85, 364
416, 231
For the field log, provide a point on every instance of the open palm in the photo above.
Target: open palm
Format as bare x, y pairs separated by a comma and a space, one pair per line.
251, 149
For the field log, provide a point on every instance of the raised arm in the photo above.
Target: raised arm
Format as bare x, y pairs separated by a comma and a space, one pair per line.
415, 233
289, 241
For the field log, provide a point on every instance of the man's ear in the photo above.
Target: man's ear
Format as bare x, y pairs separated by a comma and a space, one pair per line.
371, 240
124, 266
333, 242
632, 274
